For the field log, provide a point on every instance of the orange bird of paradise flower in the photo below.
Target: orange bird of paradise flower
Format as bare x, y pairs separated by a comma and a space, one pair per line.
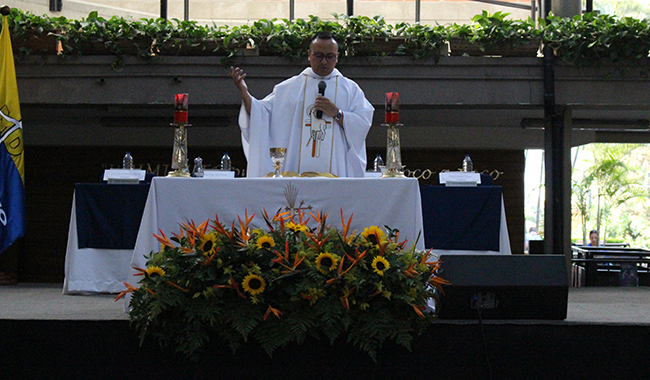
418, 310
244, 227
233, 285
163, 239
217, 226
341, 272
346, 226
279, 216
284, 259
209, 259
301, 216
344, 299
275, 312
411, 272
129, 289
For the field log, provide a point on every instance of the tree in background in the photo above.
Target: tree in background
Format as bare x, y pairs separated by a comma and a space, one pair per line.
624, 8
615, 181
631, 221
581, 199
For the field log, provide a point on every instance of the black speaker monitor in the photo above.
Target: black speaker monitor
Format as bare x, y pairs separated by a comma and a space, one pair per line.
504, 287
536, 247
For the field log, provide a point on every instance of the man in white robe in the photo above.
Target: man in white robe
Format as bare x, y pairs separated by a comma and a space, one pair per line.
322, 133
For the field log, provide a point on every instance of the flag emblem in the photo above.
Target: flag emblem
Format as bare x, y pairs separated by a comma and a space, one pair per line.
12, 172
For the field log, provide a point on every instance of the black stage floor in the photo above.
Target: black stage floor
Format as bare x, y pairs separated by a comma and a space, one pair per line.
47, 335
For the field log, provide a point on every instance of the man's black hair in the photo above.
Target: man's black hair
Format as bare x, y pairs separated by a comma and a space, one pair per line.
324, 35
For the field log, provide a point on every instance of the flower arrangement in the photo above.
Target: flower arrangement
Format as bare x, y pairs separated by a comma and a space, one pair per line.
282, 284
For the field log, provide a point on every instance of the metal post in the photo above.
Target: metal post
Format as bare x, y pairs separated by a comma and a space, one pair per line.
557, 155
292, 5
549, 119
417, 10
350, 7
546, 8
557, 150
163, 9
56, 5
187, 10
532, 10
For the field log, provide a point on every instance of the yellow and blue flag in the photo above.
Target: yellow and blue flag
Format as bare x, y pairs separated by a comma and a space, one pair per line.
12, 171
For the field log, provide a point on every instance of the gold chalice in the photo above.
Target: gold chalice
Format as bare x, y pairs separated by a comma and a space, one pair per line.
277, 156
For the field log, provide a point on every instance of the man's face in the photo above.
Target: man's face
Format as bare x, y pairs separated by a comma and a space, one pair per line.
593, 239
323, 55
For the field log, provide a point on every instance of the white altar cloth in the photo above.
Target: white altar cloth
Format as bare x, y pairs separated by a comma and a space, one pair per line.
93, 270
394, 202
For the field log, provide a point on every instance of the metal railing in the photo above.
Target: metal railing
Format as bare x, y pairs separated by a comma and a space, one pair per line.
533, 7
608, 259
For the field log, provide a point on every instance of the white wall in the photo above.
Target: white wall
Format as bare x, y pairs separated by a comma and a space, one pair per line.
237, 12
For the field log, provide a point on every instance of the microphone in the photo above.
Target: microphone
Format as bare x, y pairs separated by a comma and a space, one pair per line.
321, 91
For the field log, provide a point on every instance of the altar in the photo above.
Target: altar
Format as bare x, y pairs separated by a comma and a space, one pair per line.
105, 219
394, 202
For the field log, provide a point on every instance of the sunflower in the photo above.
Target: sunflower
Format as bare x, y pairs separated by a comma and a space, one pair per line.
326, 262
208, 244
254, 284
373, 235
380, 265
265, 242
297, 227
155, 271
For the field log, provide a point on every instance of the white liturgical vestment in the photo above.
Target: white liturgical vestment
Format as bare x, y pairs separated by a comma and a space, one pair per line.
286, 118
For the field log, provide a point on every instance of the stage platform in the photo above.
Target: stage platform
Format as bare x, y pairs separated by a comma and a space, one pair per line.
602, 305
45, 334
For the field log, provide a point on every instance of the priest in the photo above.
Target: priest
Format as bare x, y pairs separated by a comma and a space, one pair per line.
320, 116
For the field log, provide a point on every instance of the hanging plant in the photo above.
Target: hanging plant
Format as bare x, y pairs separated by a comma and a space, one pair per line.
368, 36
31, 34
494, 34
583, 40
595, 40
422, 41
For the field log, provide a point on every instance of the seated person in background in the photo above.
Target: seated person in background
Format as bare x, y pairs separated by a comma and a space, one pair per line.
320, 116
593, 239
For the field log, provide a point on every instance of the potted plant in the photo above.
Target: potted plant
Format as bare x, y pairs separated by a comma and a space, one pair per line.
290, 39
282, 38
186, 38
31, 34
594, 40
494, 34
368, 36
94, 35
239, 41
422, 41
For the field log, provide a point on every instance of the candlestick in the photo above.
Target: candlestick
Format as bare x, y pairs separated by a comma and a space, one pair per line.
393, 152
179, 151
392, 107
180, 108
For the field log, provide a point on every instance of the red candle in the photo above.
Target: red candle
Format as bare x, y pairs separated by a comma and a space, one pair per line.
392, 107
180, 108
